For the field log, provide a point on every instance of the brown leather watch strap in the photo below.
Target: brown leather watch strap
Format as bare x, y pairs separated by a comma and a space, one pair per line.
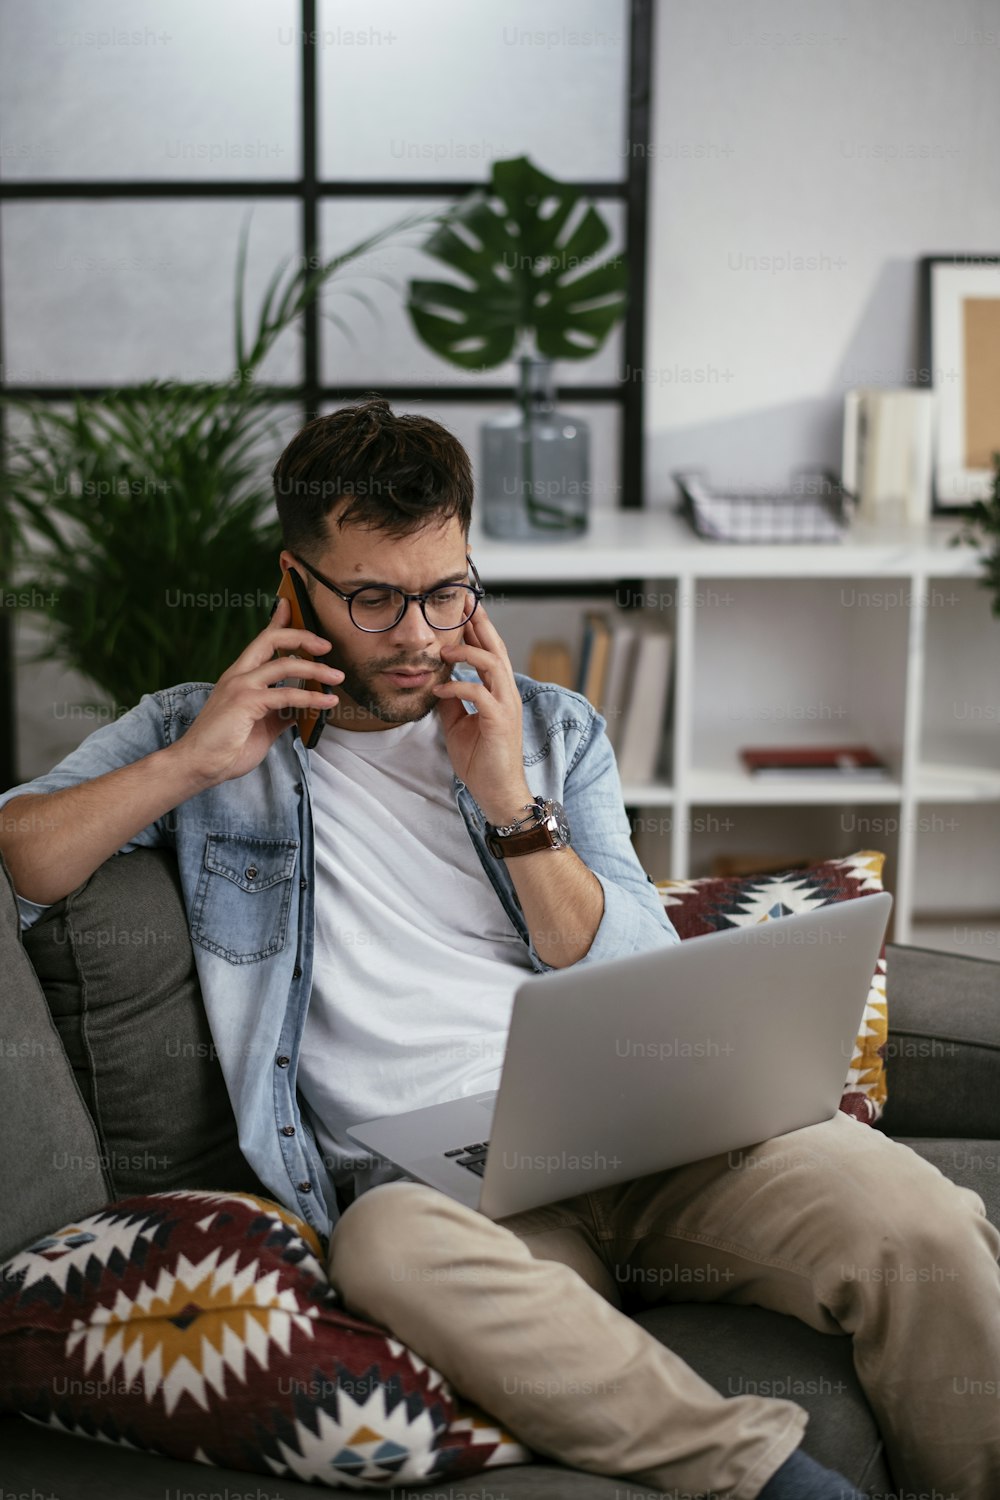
525, 841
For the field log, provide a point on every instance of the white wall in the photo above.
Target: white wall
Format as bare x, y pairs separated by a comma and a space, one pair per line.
861, 133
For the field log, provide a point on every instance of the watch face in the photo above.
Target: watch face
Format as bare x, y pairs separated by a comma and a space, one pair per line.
557, 820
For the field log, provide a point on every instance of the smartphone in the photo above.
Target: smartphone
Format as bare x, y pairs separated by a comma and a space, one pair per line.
311, 721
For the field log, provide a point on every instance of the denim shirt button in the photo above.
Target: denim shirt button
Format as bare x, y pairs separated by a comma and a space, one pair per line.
296, 972
297, 787
303, 884
283, 1061
288, 1129
305, 1187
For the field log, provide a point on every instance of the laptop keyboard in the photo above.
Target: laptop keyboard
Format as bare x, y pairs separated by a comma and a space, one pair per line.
473, 1157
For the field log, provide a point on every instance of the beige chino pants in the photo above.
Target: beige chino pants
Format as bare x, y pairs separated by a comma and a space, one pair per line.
835, 1224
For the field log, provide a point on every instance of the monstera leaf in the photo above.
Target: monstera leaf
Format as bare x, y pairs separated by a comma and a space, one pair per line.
527, 254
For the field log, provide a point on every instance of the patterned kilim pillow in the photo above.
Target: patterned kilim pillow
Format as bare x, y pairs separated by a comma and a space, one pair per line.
202, 1326
712, 903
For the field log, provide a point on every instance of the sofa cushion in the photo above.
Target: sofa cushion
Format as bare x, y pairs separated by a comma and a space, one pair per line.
754, 1351
970, 1163
943, 1058
114, 958
34, 1457
50, 1161
203, 1326
712, 903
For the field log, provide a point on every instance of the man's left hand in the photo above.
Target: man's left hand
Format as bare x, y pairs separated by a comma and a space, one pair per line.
486, 747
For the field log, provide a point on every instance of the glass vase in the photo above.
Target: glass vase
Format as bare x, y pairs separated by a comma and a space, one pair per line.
535, 473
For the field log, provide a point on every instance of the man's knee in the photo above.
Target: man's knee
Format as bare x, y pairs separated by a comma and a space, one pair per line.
374, 1222
901, 1211
389, 1236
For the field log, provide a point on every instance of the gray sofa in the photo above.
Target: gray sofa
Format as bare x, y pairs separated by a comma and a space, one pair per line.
66, 1082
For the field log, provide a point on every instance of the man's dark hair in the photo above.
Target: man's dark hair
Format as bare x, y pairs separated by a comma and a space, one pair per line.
398, 474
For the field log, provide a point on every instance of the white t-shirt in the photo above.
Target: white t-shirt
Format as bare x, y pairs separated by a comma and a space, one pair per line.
416, 961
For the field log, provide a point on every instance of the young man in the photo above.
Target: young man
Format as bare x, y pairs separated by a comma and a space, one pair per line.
359, 942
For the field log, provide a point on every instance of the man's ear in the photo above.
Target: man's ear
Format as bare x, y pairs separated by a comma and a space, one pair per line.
287, 561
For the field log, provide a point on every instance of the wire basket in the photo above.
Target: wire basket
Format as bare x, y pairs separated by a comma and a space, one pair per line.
814, 508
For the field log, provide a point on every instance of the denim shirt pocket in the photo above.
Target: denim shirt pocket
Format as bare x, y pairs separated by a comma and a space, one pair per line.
243, 896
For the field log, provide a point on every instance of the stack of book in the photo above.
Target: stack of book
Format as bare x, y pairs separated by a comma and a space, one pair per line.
839, 762
625, 669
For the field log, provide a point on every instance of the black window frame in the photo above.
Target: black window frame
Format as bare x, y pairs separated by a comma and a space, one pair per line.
310, 393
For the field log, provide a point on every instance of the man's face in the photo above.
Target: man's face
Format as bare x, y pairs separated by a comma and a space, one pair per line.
368, 698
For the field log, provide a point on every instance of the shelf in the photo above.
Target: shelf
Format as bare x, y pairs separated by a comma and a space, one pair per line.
958, 751
709, 786
884, 638
960, 765
720, 775
972, 937
648, 794
655, 542
956, 866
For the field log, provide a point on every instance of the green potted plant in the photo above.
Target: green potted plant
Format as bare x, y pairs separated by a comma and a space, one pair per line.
533, 287
982, 527
154, 556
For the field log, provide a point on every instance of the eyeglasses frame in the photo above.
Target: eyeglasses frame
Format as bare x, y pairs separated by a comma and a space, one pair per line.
476, 589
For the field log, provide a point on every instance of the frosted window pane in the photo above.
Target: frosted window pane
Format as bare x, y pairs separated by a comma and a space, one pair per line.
167, 89
439, 89
100, 292
382, 344
465, 418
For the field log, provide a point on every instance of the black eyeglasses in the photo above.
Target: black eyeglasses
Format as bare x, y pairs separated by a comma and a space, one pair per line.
378, 606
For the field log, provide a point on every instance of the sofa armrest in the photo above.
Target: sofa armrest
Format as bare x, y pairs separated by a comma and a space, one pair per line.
51, 1168
943, 1054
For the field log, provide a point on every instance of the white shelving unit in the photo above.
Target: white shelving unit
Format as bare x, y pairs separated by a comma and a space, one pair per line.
885, 638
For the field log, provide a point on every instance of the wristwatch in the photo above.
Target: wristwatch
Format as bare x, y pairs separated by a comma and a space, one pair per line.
547, 829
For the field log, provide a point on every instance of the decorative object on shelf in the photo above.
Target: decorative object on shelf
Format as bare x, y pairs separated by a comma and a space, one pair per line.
982, 527
710, 904
815, 508
533, 289
156, 506
887, 454
959, 340
535, 473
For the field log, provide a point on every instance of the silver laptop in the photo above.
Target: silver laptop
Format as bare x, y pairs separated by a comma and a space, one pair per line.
622, 1068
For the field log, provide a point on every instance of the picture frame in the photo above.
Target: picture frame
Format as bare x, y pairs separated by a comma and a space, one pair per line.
959, 356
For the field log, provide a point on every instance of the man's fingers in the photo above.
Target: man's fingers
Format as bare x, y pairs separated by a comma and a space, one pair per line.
278, 633
277, 667
280, 621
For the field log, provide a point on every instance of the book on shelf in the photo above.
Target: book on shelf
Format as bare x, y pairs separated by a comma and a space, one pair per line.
887, 453
625, 669
647, 691
552, 661
835, 762
615, 687
594, 657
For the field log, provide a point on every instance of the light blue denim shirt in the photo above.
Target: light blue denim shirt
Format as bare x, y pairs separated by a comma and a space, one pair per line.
245, 853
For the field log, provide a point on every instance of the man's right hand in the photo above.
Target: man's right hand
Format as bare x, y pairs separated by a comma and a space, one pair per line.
240, 720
